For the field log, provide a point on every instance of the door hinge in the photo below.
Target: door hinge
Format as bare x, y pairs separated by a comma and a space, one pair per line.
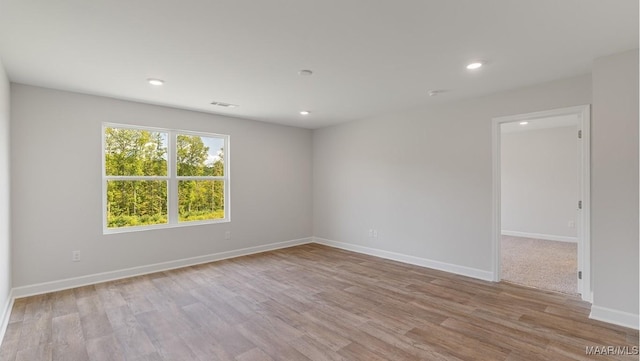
579, 275
579, 204
579, 134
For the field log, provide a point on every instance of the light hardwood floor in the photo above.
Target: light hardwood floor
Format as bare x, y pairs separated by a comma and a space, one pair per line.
306, 302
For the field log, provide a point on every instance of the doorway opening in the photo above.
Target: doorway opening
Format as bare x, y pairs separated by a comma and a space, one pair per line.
541, 200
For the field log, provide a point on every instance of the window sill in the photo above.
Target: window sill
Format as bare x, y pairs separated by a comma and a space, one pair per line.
108, 231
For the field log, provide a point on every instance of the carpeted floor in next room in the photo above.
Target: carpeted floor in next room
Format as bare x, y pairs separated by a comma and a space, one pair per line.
537, 263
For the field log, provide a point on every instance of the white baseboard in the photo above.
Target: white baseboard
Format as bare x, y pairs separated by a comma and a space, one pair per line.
423, 262
68, 283
615, 317
547, 237
6, 315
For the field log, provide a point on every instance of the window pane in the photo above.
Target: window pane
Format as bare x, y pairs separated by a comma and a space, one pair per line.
136, 203
199, 156
134, 152
200, 200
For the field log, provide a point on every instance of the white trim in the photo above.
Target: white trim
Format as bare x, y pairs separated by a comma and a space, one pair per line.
6, 315
583, 223
172, 184
496, 206
584, 220
423, 262
40, 288
547, 237
615, 317
579, 109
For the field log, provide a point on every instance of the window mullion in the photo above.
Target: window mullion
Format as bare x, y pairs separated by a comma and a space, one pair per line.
173, 182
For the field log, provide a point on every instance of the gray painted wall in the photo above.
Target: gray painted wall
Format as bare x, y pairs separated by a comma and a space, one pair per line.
57, 194
422, 178
5, 210
540, 181
614, 182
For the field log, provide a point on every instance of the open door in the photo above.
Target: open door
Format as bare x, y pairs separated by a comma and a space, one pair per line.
581, 116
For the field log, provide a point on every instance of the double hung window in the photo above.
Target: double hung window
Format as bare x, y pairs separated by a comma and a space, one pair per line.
154, 178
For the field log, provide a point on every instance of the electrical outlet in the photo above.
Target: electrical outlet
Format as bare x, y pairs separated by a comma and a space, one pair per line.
571, 224
75, 256
227, 235
375, 233
370, 233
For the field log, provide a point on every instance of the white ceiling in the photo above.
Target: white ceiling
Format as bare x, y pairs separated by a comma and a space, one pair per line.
368, 57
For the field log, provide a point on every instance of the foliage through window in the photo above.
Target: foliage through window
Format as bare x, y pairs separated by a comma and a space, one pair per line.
155, 177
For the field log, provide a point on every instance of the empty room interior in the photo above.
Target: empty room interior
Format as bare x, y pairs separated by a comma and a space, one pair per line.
319, 180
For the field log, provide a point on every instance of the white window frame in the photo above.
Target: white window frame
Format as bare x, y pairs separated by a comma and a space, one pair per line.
172, 179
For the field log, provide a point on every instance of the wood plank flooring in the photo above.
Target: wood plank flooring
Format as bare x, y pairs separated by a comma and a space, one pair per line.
308, 302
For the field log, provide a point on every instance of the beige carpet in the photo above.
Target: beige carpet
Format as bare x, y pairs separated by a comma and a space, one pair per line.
541, 264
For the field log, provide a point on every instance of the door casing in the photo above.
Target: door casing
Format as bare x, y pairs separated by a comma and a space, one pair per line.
583, 112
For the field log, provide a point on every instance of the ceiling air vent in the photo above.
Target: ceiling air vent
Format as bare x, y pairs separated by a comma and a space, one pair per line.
224, 105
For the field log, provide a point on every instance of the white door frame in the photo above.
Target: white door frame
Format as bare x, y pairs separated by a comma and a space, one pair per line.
583, 226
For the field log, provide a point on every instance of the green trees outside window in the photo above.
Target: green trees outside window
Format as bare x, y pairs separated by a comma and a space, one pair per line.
145, 168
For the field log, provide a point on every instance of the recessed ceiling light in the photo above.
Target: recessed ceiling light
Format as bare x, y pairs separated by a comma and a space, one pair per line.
224, 105
436, 92
524, 123
156, 82
305, 72
305, 112
474, 65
